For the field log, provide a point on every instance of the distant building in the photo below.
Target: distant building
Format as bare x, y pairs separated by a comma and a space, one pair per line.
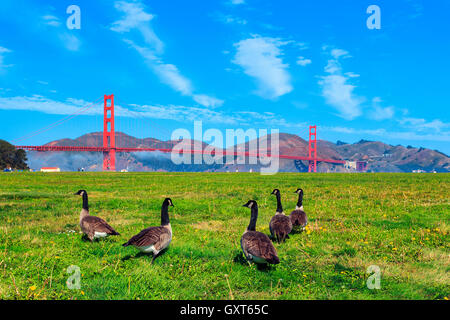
419, 171
350, 165
50, 169
361, 166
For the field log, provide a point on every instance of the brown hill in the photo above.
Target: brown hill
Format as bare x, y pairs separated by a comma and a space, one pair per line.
380, 157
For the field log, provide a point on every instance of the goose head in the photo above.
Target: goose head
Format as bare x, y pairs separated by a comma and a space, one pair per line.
80, 192
168, 202
250, 204
275, 192
299, 191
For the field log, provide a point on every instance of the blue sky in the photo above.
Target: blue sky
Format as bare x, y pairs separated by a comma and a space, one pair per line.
231, 64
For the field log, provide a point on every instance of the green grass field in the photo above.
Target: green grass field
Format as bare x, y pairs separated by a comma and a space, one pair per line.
399, 222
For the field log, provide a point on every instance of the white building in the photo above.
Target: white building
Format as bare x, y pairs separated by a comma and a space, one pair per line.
350, 165
50, 169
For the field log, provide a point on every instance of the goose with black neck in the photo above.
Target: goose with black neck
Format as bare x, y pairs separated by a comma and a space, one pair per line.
280, 225
257, 246
93, 227
154, 239
298, 216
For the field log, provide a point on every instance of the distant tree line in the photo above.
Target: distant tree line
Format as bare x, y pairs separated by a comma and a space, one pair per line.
10, 157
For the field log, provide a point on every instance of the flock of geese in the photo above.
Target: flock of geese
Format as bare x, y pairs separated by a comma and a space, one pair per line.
257, 246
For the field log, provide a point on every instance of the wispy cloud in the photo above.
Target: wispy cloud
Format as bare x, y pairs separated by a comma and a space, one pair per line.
421, 124
237, 1
136, 18
207, 101
167, 73
260, 58
230, 19
68, 38
337, 90
70, 41
51, 20
302, 61
42, 104
39, 103
4, 51
382, 133
70, 106
380, 113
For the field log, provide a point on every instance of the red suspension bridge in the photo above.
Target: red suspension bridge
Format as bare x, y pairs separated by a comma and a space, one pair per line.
109, 148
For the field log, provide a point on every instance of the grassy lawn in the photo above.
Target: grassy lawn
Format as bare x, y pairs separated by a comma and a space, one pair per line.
399, 222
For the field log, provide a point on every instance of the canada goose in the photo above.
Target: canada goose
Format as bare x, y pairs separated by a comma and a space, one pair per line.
154, 239
93, 227
298, 216
257, 246
280, 225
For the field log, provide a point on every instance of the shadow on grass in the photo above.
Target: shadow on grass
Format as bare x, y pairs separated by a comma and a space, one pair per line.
142, 254
240, 259
109, 239
296, 230
274, 239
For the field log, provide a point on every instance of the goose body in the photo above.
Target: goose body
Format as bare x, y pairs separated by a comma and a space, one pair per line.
298, 216
280, 225
154, 239
257, 246
93, 227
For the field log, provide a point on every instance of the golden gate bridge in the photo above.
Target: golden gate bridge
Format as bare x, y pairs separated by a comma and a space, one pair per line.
109, 148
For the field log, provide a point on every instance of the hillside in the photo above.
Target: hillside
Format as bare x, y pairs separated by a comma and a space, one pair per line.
380, 157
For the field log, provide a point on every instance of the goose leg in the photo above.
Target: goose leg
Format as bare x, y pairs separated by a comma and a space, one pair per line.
154, 256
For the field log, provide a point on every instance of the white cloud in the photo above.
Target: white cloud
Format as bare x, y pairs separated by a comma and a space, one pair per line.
2, 58
43, 104
136, 18
302, 61
207, 101
336, 89
70, 106
70, 41
337, 53
229, 19
260, 57
380, 113
383, 133
51, 20
421, 124
167, 73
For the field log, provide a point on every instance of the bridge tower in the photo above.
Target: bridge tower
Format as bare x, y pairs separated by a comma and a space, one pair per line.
109, 136
312, 148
